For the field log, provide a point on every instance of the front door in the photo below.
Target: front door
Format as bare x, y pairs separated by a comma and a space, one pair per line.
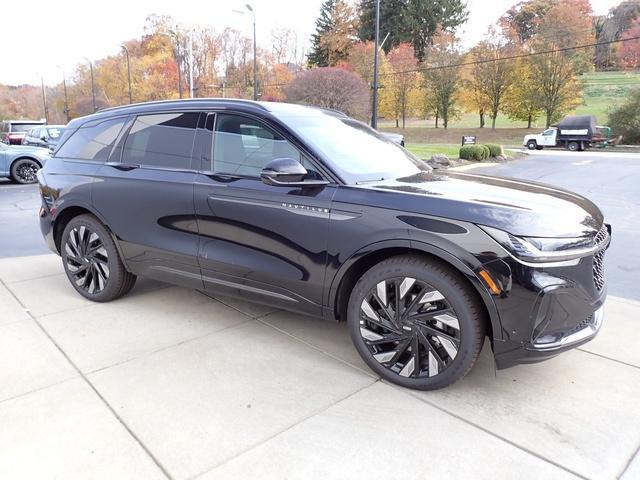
260, 242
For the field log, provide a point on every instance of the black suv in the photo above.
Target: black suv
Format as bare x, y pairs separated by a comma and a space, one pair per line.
309, 210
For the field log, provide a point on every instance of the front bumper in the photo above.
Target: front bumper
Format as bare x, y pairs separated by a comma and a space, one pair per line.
548, 309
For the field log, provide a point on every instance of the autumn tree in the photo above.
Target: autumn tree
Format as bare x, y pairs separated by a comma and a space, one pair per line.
336, 29
522, 21
472, 99
442, 79
411, 21
629, 50
331, 87
611, 27
491, 76
402, 81
523, 100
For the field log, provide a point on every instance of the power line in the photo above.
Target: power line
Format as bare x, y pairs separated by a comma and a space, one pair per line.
511, 57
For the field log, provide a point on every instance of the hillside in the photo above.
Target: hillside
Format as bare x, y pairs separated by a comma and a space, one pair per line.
602, 90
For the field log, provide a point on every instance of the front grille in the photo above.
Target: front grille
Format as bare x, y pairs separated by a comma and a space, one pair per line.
583, 324
598, 259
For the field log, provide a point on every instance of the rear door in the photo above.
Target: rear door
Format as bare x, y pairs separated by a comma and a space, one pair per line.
145, 193
261, 242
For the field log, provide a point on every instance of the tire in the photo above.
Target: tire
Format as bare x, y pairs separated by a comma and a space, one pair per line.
444, 320
539, 147
573, 146
24, 171
91, 260
532, 144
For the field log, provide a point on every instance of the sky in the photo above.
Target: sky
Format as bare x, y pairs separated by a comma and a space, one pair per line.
67, 32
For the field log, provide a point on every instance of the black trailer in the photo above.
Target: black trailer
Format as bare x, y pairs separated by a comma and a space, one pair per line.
576, 132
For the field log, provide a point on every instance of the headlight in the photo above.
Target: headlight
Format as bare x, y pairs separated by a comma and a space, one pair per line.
542, 249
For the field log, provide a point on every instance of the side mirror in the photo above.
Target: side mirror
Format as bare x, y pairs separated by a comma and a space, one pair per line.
287, 172
43, 137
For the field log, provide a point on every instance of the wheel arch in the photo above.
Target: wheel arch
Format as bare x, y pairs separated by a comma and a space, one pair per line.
25, 157
69, 212
348, 275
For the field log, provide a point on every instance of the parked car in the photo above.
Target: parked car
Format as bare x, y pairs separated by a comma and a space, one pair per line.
21, 163
46, 136
317, 213
13, 131
574, 132
394, 137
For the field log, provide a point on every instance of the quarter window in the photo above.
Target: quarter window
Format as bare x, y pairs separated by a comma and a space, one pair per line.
93, 142
161, 140
243, 146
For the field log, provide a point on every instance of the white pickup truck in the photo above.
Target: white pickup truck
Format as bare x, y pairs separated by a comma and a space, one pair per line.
575, 133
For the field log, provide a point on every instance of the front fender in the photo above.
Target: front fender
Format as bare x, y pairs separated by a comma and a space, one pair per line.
469, 272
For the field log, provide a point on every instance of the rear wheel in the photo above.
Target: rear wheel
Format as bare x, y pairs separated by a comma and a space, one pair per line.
532, 145
416, 322
91, 261
24, 170
573, 146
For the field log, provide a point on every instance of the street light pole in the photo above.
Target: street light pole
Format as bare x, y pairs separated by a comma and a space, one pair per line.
44, 100
93, 84
126, 51
255, 54
374, 109
191, 63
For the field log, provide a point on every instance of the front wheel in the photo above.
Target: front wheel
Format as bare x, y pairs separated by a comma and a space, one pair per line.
416, 322
24, 171
532, 145
91, 260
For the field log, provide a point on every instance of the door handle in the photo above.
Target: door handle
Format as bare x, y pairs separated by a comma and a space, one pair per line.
125, 167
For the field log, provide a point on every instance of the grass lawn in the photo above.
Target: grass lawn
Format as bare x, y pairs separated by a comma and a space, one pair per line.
422, 150
602, 91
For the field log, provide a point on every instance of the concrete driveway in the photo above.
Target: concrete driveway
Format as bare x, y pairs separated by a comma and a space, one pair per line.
169, 383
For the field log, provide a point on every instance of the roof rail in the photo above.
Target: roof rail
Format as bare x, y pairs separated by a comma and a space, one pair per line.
185, 100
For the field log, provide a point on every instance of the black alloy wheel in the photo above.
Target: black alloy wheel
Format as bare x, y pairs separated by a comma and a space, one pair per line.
416, 322
92, 262
24, 171
87, 259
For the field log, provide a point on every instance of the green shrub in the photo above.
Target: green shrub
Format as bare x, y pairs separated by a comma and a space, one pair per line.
495, 150
625, 119
486, 153
472, 152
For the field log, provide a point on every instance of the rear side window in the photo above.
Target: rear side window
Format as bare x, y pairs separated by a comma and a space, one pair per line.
161, 140
92, 143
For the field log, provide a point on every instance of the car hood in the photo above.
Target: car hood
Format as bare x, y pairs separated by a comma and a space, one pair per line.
519, 207
27, 148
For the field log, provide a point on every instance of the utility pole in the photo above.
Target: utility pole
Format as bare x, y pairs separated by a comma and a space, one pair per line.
126, 51
374, 109
66, 98
44, 100
191, 63
93, 85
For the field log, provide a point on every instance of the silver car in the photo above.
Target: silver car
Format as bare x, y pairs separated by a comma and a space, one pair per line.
21, 163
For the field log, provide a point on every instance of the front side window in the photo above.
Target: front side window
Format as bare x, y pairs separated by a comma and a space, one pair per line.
93, 142
161, 140
547, 133
243, 146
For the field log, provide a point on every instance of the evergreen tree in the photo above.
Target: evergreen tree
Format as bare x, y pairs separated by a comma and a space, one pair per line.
413, 21
319, 54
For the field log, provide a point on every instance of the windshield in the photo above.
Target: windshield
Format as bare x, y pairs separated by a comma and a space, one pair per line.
355, 151
23, 127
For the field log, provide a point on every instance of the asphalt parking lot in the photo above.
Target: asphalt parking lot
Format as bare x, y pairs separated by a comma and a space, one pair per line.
170, 383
